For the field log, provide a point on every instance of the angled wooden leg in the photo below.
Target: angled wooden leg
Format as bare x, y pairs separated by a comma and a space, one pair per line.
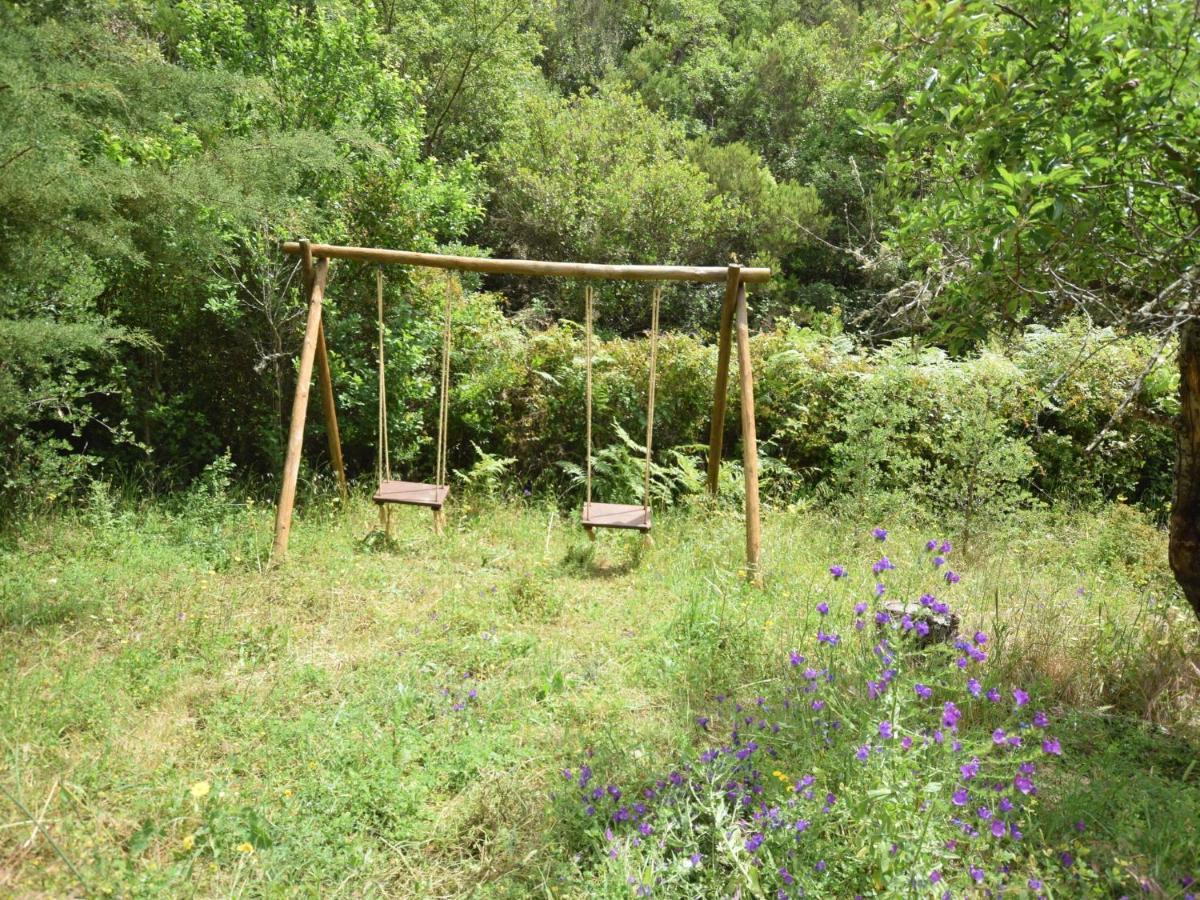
716, 432
295, 444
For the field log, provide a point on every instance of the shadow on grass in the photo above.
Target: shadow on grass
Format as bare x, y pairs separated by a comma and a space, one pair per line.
585, 560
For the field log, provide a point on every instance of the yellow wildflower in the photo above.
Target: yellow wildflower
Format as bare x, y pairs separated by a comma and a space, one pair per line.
200, 789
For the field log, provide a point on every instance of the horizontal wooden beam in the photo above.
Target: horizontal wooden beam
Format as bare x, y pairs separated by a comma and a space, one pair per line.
530, 266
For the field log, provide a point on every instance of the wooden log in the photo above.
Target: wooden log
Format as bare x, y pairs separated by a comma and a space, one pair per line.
291, 466
749, 441
326, 381
716, 433
325, 378
530, 266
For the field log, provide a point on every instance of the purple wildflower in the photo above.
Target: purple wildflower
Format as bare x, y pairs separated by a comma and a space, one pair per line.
1052, 746
883, 564
1020, 697
960, 797
974, 687
923, 691
823, 608
885, 730
950, 715
952, 577
837, 571
754, 842
880, 534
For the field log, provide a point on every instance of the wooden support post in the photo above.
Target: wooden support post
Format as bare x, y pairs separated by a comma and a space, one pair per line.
291, 466
716, 433
749, 441
326, 380
439, 521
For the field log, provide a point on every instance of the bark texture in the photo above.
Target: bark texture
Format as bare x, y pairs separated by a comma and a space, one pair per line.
1185, 512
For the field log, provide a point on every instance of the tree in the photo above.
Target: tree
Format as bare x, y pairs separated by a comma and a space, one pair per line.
1046, 163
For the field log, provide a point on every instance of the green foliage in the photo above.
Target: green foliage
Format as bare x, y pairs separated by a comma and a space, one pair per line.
600, 179
145, 196
926, 433
1045, 158
489, 475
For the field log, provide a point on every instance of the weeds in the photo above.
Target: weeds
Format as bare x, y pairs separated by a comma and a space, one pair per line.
396, 718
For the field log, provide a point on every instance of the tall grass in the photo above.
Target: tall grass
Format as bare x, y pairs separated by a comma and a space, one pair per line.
395, 719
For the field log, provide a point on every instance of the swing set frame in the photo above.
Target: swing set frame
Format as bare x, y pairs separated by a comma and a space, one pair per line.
315, 260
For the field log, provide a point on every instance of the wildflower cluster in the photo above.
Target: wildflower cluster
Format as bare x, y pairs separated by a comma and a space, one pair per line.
882, 763
460, 697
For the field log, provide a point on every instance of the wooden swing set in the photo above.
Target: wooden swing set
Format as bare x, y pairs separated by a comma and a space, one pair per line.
315, 259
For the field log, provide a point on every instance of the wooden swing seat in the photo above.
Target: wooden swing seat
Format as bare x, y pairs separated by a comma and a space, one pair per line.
616, 515
412, 493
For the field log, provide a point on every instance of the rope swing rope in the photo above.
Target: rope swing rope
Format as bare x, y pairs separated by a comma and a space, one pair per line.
655, 303
589, 302
383, 463
415, 493
444, 398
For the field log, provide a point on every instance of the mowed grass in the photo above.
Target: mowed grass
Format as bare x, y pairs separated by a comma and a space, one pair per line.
377, 719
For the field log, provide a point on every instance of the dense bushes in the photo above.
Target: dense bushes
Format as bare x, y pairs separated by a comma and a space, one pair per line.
901, 426
151, 156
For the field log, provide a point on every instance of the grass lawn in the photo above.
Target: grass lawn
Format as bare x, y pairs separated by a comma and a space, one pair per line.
374, 720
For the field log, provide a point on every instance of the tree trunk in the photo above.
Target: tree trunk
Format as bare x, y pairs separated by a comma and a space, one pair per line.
1185, 512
